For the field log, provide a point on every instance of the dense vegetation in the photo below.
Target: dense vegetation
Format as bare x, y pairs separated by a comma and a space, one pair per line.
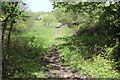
90, 44
94, 49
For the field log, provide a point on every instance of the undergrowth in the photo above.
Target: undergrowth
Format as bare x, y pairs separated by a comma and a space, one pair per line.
26, 52
90, 53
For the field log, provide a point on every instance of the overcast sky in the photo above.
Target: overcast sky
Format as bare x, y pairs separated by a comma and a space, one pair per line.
40, 5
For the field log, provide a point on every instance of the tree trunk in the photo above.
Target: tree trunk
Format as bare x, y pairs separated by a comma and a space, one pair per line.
9, 34
8, 42
4, 25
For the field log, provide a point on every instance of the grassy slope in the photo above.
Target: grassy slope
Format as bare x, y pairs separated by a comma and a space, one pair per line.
50, 33
28, 58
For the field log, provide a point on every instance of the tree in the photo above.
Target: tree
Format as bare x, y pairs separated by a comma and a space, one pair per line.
103, 13
11, 12
48, 18
102, 17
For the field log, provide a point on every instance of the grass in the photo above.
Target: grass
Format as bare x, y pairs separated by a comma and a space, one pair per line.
29, 47
50, 33
79, 53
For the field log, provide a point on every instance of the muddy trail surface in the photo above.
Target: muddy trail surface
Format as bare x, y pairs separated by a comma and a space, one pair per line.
57, 70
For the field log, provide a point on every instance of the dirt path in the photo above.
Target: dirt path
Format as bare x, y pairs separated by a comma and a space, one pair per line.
57, 69
59, 32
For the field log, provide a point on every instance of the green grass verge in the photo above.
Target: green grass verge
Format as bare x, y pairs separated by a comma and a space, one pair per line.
28, 48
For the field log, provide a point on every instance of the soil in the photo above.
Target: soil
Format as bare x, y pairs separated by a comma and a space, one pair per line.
57, 69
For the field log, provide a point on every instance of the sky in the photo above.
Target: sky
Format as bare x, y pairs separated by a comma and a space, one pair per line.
40, 5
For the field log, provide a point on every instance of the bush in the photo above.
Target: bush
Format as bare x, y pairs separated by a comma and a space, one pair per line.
90, 51
97, 66
26, 55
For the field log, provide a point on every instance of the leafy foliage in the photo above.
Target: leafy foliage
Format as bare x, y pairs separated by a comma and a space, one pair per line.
93, 49
48, 19
96, 42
